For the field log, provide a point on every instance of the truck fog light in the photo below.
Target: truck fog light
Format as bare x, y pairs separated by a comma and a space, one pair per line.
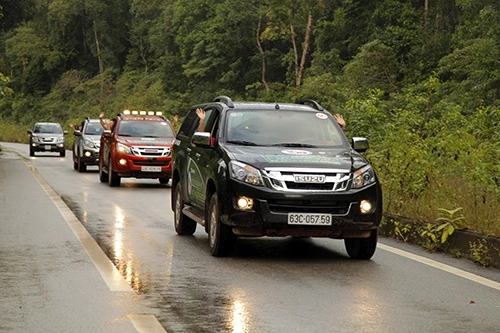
244, 203
88, 154
365, 206
122, 161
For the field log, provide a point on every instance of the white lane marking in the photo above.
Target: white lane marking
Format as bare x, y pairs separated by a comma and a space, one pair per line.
108, 271
443, 267
146, 323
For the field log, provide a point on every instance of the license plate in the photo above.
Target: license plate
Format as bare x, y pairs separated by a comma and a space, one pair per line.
151, 168
47, 147
309, 219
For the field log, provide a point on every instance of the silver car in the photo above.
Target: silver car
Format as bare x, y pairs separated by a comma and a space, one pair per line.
86, 144
47, 137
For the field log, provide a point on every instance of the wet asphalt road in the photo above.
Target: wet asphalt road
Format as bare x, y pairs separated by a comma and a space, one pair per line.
269, 285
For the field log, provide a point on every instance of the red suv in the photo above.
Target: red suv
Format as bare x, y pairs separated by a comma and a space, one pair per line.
138, 145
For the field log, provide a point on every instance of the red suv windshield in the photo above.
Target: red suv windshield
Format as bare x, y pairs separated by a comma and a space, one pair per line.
148, 129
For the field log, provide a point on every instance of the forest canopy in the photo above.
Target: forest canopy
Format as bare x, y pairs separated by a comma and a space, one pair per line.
419, 79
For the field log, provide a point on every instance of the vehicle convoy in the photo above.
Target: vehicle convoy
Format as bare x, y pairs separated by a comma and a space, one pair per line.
273, 169
86, 144
47, 137
138, 145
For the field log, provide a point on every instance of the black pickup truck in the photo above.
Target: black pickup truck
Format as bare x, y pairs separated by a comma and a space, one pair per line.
273, 169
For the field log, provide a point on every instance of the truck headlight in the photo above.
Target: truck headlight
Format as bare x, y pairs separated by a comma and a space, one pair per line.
123, 148
363, 177
89, 144
245, 173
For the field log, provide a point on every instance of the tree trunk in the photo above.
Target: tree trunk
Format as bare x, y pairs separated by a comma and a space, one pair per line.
295, 52
426, 9
99, 58
261, 51
300, 72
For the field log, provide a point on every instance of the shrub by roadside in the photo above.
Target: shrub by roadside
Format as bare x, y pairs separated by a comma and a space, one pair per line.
461, 243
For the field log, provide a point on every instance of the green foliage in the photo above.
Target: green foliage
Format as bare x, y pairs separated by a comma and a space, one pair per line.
5, 90
430, 236
436, 234
402, 230
480, 252
11, 131
374, 67
450, 222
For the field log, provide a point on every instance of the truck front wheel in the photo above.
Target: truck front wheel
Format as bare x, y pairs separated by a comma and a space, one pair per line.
361, 248
221, 238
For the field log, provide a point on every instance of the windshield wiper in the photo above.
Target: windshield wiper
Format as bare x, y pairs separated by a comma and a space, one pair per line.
243, 143
293, 144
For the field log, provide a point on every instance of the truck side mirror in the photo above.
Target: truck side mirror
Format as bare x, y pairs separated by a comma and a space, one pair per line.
360, 144
201, 139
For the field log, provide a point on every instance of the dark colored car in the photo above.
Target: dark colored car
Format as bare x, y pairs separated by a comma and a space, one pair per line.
273, 169
86, 144
47, 137
138, 145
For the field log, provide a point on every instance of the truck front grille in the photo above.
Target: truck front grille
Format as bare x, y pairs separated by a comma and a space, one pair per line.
315, 180
151, 151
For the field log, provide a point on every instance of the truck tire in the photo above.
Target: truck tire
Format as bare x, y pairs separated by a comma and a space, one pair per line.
184, 225
103, 176
81, 166
113, 178
361, 248
221, 238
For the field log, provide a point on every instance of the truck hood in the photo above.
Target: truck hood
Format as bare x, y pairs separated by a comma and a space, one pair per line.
140, 141
332, 158
94, 138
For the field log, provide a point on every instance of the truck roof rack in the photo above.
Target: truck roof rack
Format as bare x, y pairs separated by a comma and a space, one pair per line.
313, 103
228, 101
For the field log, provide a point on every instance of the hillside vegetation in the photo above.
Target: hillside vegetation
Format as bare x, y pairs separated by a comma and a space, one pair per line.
419, 79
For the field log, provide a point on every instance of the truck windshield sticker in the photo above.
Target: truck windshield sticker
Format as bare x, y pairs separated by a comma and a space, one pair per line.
151, 140
296, 152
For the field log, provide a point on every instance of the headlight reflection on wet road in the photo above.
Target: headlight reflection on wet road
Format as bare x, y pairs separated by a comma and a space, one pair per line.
368, 312
240, 317
118, 236
123, 260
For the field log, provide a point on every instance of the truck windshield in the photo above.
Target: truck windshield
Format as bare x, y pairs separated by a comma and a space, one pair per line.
94, 129
150, 129
48, 128
283, 128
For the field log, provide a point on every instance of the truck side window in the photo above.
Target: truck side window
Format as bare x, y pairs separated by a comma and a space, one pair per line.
211, 121
189, 124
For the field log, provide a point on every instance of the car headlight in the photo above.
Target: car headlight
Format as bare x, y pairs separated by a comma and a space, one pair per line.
123, 148
245, 173
35, 137
60, 139
363, 177
89, 144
